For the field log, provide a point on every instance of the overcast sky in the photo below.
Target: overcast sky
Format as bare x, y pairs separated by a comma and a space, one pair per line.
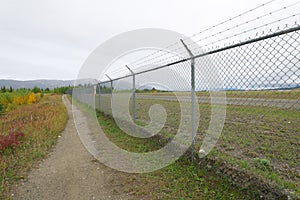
50, 39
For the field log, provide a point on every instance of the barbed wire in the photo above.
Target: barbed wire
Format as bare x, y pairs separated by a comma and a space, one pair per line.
148, 61
249, 21
209, 44
218, 41
212, 51
223, 31
247, 31
207, 29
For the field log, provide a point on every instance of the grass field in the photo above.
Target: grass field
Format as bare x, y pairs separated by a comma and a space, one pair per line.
180, 180
41, 124
263, 141
264, 94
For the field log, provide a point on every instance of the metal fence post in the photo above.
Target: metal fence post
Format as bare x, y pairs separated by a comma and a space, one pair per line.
193, 96
111, 90
99, 84
134, 97
95, 95
111, 83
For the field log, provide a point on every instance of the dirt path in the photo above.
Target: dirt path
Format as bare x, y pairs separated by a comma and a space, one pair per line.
70, 172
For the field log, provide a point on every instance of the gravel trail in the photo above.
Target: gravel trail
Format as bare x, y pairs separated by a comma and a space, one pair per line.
70, 172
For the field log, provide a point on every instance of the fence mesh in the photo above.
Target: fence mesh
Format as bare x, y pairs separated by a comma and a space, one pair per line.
261, 80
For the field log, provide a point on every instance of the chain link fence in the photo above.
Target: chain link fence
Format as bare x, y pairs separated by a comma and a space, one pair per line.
256, 80
263, 71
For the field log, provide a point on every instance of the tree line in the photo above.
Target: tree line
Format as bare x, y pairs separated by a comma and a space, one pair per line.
57, 90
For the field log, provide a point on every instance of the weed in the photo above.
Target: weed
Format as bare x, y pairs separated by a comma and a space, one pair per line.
262, 163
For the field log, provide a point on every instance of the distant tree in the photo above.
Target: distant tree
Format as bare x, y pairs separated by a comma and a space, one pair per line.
105, 89
3, 89
47, 90
36, 89
21, 89
10, 89
61, 90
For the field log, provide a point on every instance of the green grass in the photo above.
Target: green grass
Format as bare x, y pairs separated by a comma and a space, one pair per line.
41, 122
138, 145
265, 94
263, 141
250, 133
180, 180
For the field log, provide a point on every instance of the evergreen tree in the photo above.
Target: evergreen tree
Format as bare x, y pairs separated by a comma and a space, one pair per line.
3, 89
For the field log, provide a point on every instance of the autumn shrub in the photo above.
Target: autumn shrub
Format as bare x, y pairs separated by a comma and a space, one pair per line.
1, 109
10, 101
19, 100
31, 98
10, 140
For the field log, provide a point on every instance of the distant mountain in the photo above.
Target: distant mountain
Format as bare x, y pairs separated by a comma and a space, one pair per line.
43, 83
156, 86
122, 85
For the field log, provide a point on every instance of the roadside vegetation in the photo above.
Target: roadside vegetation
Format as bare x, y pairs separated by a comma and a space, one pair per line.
30, 124
12, 98
10, 101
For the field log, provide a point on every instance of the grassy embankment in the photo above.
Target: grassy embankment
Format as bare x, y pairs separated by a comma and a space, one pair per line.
40, 119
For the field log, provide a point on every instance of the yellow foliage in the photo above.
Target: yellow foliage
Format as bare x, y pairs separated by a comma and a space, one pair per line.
31, 98
4, 102
11, 102
19, 100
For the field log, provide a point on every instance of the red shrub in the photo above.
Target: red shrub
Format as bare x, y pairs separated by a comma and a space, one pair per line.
10, 140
